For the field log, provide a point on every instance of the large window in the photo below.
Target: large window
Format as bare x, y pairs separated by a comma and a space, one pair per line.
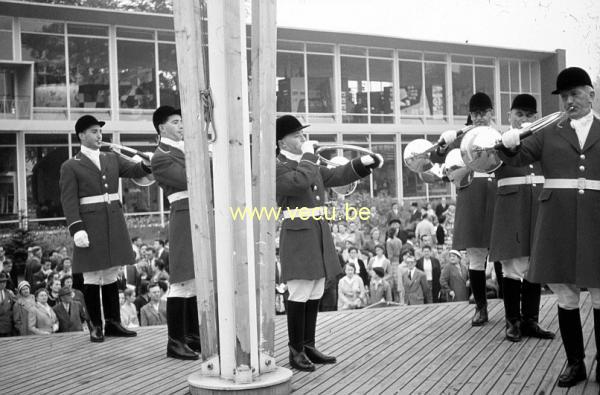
44, 43
462, 88
44, 154
167, 75
518, 77
88, 72
435, 91
411, 87
354, 86
290, 82
6, 38
137, 83
320, 86
381, 91
9, 208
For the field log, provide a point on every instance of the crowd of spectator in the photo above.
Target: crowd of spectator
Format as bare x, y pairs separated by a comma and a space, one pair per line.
45, 296
398, 256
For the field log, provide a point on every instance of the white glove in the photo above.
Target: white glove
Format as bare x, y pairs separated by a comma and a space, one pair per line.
511, 138
137, 159
525, 124
374, 161
81, 239
308, 147
448, 137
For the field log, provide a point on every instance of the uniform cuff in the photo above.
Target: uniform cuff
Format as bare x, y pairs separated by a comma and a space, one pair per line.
310, 157
359, 168
76, 227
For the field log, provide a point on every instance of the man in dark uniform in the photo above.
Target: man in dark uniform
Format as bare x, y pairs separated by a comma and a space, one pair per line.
474, 209
307, 250
512, 231
89, 184
168, 165
565, 244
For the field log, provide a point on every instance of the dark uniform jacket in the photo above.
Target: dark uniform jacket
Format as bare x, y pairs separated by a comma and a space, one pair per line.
474, 209
110, 244
567, 230
515, 213
168, 167
306, 247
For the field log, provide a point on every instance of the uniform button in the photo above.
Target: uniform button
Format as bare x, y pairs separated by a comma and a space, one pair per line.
580, 191
104, 177
105, 185
533, 174
317, 198
582, 157
531, 166
314, 187
581, 168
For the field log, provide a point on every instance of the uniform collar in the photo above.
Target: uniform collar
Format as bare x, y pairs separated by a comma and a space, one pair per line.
172, 143
290, 156
91, 153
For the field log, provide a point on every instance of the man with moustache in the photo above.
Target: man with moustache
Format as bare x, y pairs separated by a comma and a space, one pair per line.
565, 244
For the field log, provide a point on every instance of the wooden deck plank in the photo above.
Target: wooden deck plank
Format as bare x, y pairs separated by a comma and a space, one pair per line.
429, 343
501, 373
370, 322
403, 338
417, 349
461, 353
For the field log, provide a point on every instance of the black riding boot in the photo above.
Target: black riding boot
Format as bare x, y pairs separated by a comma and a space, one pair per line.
192, 333
530, 308
310, 327
112, 312
499, 277
477, 278
569, 322
176, 346
512, 308
295, 321
91, 295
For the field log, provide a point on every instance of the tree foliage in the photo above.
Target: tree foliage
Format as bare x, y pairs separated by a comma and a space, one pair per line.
156, 6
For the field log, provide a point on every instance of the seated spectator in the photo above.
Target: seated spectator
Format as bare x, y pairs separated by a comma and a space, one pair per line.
42, 319
160, 274
379, 288
25, 303
150, 313
359, 266
142, 298
70, 313
7, 299
351, 290
53, 288
39, 278
129, 314
355, 235
77, 295
414, 281
164, 290
454, 279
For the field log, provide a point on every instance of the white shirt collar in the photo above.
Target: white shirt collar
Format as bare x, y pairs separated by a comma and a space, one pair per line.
291, 156
172, 143
583, 121
93, 154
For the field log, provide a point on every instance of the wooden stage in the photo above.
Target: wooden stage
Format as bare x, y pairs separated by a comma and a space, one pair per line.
421, 349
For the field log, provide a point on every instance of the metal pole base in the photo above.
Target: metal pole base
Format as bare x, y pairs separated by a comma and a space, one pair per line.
277, 382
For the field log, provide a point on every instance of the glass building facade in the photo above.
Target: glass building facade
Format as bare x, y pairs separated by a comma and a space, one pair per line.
374, 92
